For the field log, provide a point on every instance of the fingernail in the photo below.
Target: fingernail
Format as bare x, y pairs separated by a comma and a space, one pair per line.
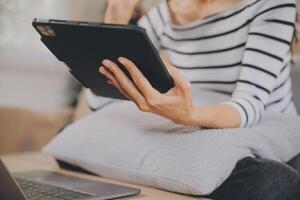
121, 59
101, 70
106, 62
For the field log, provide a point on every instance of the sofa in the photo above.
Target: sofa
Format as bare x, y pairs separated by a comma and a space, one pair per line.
296, 89
296, 82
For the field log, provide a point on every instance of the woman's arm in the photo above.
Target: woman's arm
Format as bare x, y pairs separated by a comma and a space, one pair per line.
265, 64
176, 105
265, 57
120, 11
217, 116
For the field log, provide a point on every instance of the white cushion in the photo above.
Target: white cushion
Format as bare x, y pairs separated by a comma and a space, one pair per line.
122, 143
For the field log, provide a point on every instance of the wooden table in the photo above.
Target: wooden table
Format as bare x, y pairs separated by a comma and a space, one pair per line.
39, 161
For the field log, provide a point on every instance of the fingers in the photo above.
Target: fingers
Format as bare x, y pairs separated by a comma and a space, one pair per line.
139, 79
124, 83
111, 80
108, 74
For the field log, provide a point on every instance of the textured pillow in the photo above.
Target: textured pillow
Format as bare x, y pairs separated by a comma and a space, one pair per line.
122, 143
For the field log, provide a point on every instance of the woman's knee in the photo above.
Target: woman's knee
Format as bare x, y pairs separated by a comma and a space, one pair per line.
277, 180
278, 177
258, 179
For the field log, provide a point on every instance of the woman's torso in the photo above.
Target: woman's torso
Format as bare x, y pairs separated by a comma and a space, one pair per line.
210, 51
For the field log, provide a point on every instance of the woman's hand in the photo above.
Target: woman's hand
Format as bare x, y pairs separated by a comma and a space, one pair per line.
120, 11
176, 104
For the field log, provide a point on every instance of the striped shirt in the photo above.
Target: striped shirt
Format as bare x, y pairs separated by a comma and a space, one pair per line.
244, 51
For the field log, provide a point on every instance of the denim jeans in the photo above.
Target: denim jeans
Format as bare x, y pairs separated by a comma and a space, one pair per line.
260, 179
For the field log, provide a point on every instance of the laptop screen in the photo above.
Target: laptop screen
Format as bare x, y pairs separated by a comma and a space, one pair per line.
8, 187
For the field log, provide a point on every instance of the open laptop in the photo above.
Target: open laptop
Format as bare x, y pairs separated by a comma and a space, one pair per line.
44, 185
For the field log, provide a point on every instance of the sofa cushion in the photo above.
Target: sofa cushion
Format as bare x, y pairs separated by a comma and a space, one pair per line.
296, 84
295, 162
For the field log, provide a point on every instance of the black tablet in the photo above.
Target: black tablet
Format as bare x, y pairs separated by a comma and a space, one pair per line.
83, 45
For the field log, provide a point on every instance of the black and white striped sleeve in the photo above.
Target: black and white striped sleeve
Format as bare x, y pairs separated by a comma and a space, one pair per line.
267, 51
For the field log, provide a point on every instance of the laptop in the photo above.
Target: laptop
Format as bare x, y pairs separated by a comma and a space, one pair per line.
46, 185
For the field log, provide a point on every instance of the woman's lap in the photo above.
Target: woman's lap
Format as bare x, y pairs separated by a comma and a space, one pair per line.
257, 179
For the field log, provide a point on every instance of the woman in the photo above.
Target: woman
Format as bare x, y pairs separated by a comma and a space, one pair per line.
240, 47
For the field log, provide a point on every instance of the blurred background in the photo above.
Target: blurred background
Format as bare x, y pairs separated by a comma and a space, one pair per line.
30, 76
38, 96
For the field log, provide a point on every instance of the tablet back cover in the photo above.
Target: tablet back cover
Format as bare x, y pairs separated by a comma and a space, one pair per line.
82, 46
